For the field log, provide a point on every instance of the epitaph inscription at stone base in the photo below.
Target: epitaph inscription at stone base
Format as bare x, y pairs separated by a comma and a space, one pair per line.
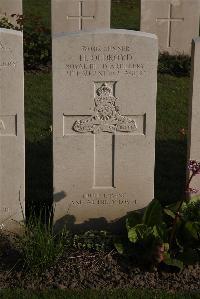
194, 115
78, 15
11, 130
9, 8
104, 105
175, 22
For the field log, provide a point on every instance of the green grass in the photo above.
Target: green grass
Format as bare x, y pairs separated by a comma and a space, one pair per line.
39, 8
117, 294
40, 247
125, 15
172, 104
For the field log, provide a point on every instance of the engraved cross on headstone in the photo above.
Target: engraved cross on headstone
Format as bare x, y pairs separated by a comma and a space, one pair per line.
169, 21
105, 119
80, 17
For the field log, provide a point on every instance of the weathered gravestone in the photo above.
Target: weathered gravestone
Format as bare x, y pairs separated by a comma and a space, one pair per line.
9, 8
194, 115
175, 22
11, 129
104, 90
78, 15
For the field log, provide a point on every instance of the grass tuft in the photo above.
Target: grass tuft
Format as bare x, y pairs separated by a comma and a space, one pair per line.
40, 247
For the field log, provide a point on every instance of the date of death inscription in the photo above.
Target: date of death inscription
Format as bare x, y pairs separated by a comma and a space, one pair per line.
105, 61
103, 199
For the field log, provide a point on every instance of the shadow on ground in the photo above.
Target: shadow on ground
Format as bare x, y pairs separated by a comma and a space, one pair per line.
170, 170
39, 176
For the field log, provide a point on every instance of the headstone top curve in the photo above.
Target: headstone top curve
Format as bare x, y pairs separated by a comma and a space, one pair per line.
108, 31
11, 31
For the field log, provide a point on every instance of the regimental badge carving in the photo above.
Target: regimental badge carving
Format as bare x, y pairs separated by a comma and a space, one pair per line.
106, 116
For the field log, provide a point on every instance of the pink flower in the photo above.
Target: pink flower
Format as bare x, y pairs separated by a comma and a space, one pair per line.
192, 191
194, 167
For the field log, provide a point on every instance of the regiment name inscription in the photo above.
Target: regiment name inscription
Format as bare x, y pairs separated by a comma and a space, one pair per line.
103, 61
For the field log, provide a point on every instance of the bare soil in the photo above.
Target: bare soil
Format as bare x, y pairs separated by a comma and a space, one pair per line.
81, 269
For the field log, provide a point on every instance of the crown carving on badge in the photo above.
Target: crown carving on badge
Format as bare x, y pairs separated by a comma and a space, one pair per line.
105, 90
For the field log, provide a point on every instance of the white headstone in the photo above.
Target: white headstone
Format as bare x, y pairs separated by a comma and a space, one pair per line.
104, 102
78, 15
11, 129
194, 116
175, 22
9, 8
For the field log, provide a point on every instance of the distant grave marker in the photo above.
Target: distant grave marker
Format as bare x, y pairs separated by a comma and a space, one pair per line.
175, 22
78, 15
169, 21
81, 17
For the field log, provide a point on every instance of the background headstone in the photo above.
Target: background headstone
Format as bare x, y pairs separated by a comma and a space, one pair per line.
175, 22
10, 7
104, 103
194, 116
78, 15
11, 129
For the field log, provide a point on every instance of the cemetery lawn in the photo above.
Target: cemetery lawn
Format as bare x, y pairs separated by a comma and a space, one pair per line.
83, 269
121, 16
118, 294
39, 8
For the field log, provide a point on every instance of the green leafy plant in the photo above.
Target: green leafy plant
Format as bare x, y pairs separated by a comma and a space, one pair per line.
37, 43
5, 23
147, 236
178, 65
191, 211
169, 234
185, 232
37, 40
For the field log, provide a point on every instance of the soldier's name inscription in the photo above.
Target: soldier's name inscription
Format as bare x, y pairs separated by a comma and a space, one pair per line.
105, 61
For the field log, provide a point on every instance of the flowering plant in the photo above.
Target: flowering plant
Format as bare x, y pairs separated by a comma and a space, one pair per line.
166, 234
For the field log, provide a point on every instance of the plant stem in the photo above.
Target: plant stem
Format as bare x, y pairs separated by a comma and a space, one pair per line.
178, 211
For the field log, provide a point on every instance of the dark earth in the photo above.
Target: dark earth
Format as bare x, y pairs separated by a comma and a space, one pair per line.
81, 269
